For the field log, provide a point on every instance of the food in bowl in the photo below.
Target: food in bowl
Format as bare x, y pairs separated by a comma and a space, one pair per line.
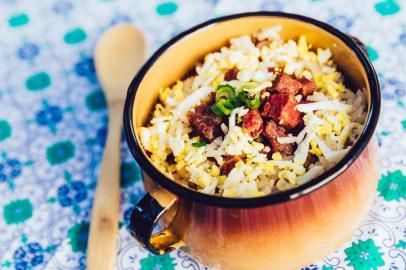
259, 116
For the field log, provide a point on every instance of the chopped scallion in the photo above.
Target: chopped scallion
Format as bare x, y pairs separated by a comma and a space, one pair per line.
226, 93
199, 143
222, 107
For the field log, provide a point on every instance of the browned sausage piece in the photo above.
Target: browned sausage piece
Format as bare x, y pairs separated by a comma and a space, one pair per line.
204, 122
282, 108
308, 86
253, 124
272, 131
286, 84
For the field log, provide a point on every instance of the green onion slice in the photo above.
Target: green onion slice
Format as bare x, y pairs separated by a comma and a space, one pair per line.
224, 86
237, 102
214, 108
246, 87
222, 107
199, 143
225, 91
252, 102
227, 99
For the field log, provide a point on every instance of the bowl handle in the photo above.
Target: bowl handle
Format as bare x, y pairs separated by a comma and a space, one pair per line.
360, 44
146, 215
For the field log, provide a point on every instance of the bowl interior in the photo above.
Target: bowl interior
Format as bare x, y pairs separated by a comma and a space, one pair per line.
175, 59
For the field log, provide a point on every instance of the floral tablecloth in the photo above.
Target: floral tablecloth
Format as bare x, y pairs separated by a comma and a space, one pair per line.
53, 119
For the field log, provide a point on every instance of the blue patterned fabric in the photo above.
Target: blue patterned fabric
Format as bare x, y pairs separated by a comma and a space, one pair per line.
53, 119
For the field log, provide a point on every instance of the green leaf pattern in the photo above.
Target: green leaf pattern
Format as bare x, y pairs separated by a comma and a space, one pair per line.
364, 255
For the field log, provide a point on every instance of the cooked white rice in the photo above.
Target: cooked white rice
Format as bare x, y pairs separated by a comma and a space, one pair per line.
333, 122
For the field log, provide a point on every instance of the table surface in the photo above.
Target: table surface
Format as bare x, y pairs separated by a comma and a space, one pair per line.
53, 125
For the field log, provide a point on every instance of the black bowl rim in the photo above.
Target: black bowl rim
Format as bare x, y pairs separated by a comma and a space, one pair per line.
277, 198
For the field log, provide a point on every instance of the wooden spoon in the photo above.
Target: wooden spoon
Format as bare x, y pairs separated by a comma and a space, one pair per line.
118, 55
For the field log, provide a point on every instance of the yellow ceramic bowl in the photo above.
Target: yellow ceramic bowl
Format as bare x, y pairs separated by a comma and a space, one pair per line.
282, 231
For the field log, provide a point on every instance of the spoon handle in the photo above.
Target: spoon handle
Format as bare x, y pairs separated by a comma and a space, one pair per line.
102, 240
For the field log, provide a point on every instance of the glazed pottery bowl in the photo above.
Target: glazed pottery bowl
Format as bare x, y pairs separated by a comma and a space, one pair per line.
281, 231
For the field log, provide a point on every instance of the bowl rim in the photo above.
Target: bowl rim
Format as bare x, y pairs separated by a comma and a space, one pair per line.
280, 197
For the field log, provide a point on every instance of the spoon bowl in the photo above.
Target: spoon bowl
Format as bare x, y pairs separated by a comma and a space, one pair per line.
119, 53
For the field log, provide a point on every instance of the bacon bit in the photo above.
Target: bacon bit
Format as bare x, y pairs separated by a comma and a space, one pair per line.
231, 74
286, 84
271, 69
308, 86
205, 122
229, 164
282, 108
272, 132
253, 124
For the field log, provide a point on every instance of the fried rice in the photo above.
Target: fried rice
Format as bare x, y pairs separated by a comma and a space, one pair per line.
229, 130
